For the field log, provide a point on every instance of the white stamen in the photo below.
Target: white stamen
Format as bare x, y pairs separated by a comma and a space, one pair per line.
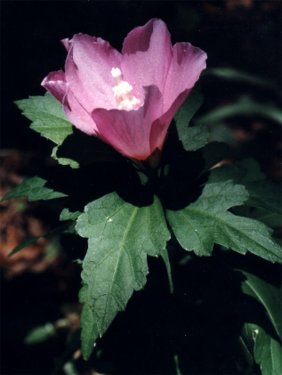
122, 93
116, 72
122, 88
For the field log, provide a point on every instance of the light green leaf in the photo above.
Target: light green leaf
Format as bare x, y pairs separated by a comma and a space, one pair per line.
40, 334
194, 137
33, 189
47, 116
205, 222
267, 349
245, 106
120, 236
66, 214
62, 160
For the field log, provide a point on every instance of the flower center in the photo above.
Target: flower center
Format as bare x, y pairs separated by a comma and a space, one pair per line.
123, 92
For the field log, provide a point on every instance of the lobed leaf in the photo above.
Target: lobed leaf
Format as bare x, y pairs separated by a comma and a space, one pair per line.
120, 236
33, 189
207, 221
47, 116
263, 193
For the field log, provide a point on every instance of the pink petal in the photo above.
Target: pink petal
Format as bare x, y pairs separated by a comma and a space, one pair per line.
55, 83
186, 66
88, 71
146, 56
78, 116
67, 43
161, 125
129, 131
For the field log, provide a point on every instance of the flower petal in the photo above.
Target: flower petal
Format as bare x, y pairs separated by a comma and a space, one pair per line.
147, 53
186, 66
55, 83
88, 71
129, 131
78, 116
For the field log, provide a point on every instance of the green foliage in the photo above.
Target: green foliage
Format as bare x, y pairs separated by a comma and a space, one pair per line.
33, 189
66, 215
193, 137
207, 221
40, 334
47, 116
263, 193
120, 236
266, 348
231, 74
23, 245
245, 106
64, 161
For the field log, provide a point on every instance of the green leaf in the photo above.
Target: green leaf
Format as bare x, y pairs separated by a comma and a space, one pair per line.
66, 215
64, 161
271, 219
263, 193
268, 295
245, 106
205, 222
120, 236
194, 137
40, 334
33, 189
232, 74
24, 244
47, 116
267, 349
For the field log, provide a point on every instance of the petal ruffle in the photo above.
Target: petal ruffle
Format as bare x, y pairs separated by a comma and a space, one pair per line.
147, 54
56, 84
129, 131
88, 71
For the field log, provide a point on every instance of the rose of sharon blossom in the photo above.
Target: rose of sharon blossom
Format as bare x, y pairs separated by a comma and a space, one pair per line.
126, 99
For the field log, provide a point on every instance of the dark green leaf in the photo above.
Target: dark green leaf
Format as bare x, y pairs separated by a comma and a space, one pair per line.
267, 349
33, 189
244, 106
47, 116
263, 193
232, 74
120, 236
195, 137
24, 244
207, 221
268, 295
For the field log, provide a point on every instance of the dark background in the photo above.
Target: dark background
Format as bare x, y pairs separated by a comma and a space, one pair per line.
246, 36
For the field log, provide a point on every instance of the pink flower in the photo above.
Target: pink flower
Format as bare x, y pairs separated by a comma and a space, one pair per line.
127, 99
